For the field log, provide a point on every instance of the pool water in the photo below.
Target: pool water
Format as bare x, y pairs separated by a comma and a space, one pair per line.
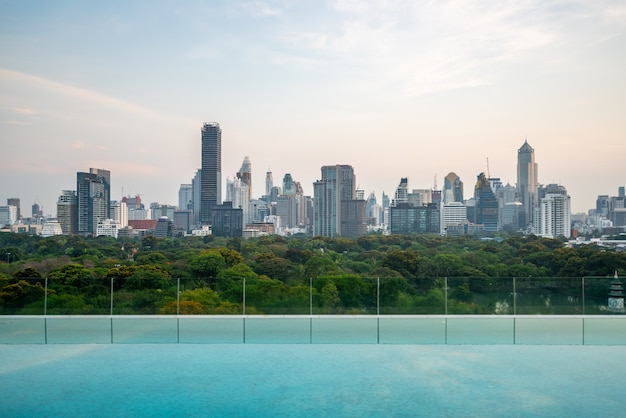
269, 380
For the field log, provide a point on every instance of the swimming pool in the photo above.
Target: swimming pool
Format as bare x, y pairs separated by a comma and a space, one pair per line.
251, 380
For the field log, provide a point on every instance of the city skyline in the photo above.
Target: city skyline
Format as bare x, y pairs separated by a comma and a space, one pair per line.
393, 90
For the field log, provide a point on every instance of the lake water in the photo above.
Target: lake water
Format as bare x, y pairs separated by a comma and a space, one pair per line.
258, 380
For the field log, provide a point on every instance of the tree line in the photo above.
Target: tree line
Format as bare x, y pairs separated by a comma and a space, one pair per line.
370, 274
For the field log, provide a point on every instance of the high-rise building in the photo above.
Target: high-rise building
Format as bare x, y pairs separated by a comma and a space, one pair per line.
332, 197
238, 193
289, 186
245, 175
527, 181
402, 192
269, 183
554, 216
211, 174
620, 191
406, 218
66, 212
195, 185
486, 208
227, 221
185, 197
15, 201
452, 188
92, 200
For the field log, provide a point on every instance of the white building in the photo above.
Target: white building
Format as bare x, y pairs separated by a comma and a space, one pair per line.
107, 228
238, 192
51, 228
119, 213
453, 213
8, 215
554, 216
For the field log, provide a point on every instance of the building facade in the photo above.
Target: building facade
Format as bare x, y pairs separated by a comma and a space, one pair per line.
93, 202
211, 174
337, 185
527, 181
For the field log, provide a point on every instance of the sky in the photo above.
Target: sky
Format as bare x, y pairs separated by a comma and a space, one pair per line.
393, 88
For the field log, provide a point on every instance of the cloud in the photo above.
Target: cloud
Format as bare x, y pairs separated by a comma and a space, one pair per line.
423, 47
11, 77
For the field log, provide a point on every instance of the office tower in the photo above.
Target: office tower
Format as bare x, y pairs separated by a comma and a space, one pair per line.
37, 211
211, 174
486, 207
527, 181
335, 206
509, 208
405, 218
289, 186
452, 188
195, 185
602, 204
245, 175
620, 191
238, 193
119, 213
15, 201
185, 197
269, 183
66, 211
402, 192
554, 216
92, 200
8, 215
452, 213
163, 227
227, 221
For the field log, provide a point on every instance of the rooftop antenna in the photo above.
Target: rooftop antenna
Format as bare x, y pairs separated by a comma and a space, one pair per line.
435, 182
488, 173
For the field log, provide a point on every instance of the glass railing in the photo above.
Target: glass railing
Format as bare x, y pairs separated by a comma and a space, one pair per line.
344, 295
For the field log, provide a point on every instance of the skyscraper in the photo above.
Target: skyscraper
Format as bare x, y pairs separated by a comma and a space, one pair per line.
66, 212
15, 201
486, 210
554, 215
92, 200
269, 183
333, 195
452, 188
211, 174
245, 174
527, 181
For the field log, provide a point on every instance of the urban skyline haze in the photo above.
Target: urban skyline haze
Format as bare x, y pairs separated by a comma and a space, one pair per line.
392, 88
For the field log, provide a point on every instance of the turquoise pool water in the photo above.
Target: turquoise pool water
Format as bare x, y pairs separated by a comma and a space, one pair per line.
269, 380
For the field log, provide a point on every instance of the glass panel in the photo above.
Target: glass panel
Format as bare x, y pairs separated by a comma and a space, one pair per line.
348, 294
210, 330
605, 330
274, 297
399, 296
482, 330
546, 330
277, 330
348, 330
90, 330
22, 330
144, 296
480, 295
420, 330
22, 296
146, 330
75, 296
597, 296
211, 297
549, 296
